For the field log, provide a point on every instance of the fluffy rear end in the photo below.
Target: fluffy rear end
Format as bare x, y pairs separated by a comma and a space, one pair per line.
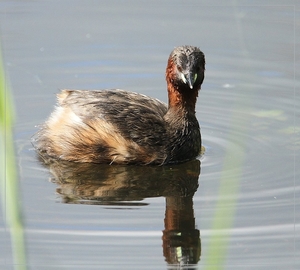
66, 136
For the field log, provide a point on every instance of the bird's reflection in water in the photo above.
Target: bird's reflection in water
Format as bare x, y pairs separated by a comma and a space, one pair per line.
87, 183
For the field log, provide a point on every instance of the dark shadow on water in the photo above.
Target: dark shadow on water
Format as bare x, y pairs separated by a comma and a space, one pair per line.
116, 185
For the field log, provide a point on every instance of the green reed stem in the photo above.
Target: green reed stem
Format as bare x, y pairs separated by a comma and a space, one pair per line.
217, 250
228, 191
8, 175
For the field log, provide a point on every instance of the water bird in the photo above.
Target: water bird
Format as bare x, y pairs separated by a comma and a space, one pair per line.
121, 127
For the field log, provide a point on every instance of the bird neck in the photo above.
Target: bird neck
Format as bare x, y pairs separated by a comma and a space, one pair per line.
182, 100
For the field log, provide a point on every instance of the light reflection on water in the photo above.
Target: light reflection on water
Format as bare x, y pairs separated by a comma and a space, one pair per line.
126, 186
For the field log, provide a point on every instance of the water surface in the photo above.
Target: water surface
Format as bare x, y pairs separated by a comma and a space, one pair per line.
237, 208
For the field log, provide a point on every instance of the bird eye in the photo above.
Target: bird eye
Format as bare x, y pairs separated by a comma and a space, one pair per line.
179, 68
195, 77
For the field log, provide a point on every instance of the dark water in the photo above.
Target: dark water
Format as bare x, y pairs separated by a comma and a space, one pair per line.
238, 209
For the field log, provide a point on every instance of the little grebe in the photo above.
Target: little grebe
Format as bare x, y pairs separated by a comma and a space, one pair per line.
116, 126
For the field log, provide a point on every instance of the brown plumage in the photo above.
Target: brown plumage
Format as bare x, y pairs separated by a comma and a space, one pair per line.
116, 126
